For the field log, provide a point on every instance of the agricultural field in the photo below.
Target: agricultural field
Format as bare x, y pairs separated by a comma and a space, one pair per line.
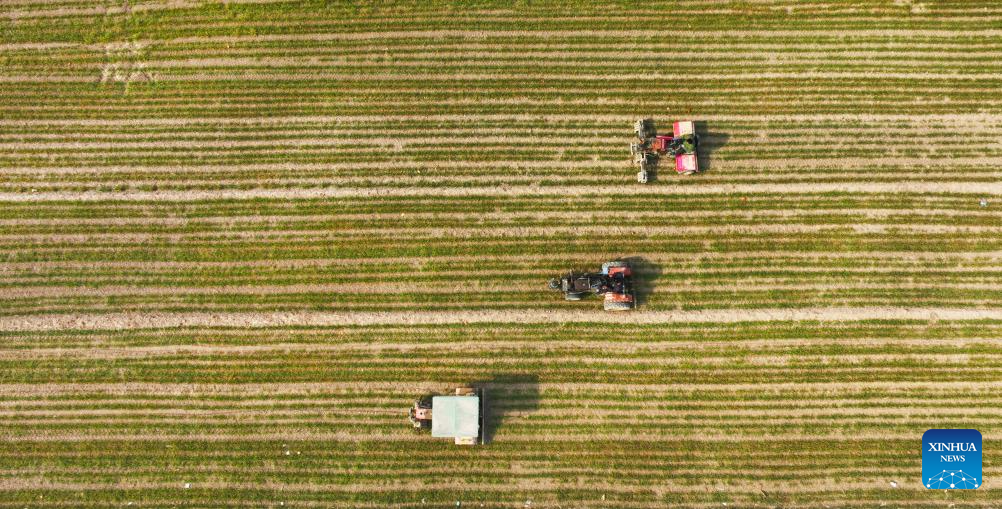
239, 238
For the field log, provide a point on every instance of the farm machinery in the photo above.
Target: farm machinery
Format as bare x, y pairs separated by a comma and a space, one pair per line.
614, 283
459, 416
651, 147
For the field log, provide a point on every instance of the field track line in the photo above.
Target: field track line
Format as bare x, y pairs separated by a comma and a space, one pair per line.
186, 390
905, 256
578, 415
458, 286
973, 188
521, 484
344, 141
967, 119
260, 74
580, 60
903, 34
660, 35
119, 321
846, 168
378, 404
405, 435
130, 220
462, 347
506, 232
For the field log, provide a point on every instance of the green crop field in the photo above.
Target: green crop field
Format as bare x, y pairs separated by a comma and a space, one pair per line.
239, 238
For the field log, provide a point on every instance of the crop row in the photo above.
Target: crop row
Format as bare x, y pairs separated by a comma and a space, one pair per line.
483, 178
658, 453
808, 353
597, 203
325, 95
395, 337
839, 272
347, 299
286, 250
100, 25
466, 225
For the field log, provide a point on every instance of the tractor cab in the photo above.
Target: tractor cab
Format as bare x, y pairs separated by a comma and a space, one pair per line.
576, 286
420, 413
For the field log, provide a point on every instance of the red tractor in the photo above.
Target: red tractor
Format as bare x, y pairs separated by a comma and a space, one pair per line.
651, 147
614, 283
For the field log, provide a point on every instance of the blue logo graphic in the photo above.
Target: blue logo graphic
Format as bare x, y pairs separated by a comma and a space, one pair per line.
951, 459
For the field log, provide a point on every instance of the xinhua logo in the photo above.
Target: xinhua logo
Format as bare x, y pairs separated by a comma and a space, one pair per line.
951, 459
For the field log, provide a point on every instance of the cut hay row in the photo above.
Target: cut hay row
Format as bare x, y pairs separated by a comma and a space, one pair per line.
169, 182
84, 224
973, 188
291, 250
570, 36
405, 139
607, 121
498, 232
814, 346
520, 57
153, 320
362, 411
405, 207
765, 48
210, 68
947, 265
836, 263
526, 288
298, 304
411, 140
837, 95
426, 174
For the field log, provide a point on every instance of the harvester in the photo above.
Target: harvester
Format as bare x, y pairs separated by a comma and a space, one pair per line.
651, 147
459, 416
614, 284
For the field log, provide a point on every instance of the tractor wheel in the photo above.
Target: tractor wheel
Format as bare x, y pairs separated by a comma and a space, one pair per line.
574, 295
618, 306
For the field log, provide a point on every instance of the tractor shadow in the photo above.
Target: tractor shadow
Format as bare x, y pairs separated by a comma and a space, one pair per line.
709, 142
645, 276
507, 397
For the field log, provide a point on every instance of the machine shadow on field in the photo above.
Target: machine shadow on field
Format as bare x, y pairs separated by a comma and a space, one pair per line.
645, 276
506, 397
709, 142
